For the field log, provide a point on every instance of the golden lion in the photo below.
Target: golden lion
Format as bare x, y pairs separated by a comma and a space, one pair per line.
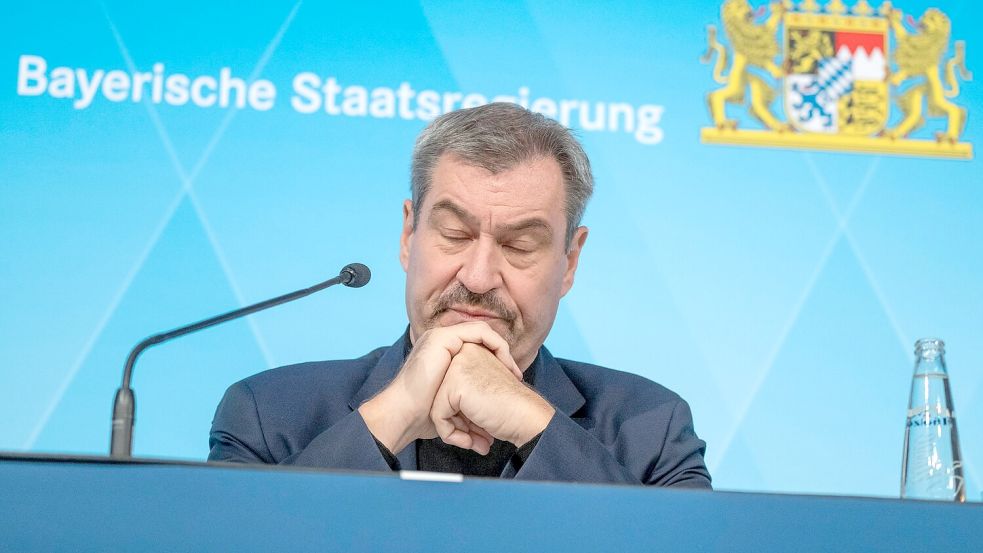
807, 48
754, 45
920, 55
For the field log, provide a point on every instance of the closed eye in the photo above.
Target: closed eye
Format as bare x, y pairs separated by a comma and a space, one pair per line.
517, 248
455, 237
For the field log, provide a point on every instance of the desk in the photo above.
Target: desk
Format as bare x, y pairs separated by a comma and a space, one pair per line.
51, 504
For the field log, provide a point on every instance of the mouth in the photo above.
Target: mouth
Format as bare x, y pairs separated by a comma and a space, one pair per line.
460, 305
472, 313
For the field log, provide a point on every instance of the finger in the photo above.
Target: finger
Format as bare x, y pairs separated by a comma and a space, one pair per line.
475, 429
481, 441
432, 356
454, 428
460, 424
513, 368
480, 444
479, 332
449, 433
459, 439
465, 439
464, 436
446, 418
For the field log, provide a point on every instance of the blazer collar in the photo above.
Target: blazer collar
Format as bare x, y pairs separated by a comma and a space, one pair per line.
552, 382
383, 372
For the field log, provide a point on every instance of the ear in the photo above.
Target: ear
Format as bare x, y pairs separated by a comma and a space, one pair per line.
573, 257
406, 235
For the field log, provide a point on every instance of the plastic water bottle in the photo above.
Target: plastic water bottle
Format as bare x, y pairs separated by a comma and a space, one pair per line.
931, 467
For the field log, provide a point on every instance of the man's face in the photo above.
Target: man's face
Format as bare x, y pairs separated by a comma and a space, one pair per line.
490, 247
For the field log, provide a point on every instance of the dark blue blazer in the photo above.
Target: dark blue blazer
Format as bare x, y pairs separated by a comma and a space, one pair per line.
609, 426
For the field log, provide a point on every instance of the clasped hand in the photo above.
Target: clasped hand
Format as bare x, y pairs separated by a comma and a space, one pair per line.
460, 384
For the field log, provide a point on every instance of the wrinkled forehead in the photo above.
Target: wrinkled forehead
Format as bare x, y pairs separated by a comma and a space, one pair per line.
530, 176
498, 164
530, 189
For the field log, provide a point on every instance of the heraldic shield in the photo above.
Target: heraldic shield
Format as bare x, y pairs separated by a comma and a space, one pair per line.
837, 74
838, 71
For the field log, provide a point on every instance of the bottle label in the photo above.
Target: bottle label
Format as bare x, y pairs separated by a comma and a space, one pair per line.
925, 417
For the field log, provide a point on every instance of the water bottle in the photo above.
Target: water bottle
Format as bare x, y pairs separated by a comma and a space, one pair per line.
931, 467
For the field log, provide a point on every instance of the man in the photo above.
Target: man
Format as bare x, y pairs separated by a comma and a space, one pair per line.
490, 243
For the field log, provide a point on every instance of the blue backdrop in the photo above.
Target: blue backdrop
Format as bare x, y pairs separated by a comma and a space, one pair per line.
783, 289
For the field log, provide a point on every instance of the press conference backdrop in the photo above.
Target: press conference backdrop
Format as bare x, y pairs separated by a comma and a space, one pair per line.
164, 162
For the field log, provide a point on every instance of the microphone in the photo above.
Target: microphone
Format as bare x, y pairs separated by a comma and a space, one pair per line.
353, 275
358, 275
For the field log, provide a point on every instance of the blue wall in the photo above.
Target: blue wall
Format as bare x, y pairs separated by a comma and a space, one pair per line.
783, 289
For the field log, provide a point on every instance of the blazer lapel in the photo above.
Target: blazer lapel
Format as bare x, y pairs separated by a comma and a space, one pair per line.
552, 382
381, 375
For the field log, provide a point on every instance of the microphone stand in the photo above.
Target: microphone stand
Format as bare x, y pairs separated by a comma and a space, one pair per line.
353, 275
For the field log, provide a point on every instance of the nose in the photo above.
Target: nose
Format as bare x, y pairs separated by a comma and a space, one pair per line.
481, 269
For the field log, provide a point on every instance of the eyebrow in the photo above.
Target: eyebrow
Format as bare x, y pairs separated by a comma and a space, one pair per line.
456, 210
529, 224
534, 223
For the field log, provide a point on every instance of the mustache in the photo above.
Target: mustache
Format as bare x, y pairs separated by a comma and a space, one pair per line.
461, 296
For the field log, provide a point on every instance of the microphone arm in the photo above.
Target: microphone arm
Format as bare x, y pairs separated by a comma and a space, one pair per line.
354, 275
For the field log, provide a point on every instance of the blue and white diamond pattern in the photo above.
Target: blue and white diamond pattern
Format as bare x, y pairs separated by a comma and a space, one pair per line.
812, 99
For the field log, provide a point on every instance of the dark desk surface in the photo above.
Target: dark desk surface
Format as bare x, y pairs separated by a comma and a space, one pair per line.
53, 504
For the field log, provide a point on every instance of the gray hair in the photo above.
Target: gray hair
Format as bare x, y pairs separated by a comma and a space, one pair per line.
497, 137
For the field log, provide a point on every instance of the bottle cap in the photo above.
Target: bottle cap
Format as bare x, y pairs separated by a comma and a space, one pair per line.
929, 346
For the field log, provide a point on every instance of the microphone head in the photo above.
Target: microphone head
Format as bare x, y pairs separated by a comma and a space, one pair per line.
355, 275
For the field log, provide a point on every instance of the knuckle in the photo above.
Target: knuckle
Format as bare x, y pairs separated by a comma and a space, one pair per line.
480, 326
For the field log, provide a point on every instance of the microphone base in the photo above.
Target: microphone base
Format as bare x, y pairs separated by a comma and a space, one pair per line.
121, 440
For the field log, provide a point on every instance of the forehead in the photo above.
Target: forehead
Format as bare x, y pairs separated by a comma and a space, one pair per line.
531, 187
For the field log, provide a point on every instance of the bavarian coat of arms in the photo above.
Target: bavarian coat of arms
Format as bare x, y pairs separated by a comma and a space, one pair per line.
855, 79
